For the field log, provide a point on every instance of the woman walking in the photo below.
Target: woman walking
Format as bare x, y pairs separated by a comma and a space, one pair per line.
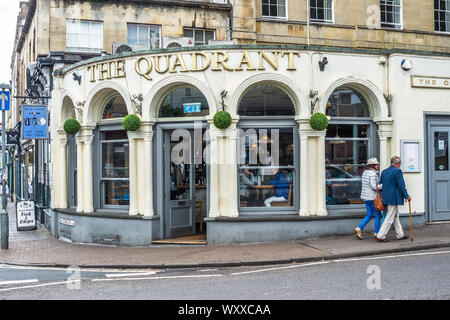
368, 194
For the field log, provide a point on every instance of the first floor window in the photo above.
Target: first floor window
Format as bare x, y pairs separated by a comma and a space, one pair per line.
321, 10
114, 171
201, 36
266, 167
274, 8
391, 13
84, 35
144, 36
442, 15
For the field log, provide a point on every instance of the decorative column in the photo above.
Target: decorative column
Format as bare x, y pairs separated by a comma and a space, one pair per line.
230, 150
132, 166
214, 172
321, 184
62, 174
385, 129
148, 171
88, 172
304, 201
80, 174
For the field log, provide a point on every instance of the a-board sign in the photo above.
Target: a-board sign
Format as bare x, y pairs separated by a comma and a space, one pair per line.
26, 215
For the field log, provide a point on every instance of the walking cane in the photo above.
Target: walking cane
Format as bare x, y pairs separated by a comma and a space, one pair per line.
410, 221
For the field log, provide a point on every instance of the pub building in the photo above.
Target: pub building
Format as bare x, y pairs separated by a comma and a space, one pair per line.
269, 176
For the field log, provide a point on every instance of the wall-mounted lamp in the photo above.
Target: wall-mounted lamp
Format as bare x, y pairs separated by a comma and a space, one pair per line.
323, 63
77, 78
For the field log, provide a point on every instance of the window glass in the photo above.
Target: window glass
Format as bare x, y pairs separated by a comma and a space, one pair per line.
391, 13
274, 8
347, 146
266, 171
442, 15
321, 10
144, 36
346, 102
115, 108
184, 102
115, 168
84, 35
201, 36
441, 151
266, 100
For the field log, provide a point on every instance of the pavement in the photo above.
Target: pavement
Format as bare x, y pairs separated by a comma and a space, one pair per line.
39, 248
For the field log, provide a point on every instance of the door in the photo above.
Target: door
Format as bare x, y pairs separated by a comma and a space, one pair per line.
184, 182
439, 173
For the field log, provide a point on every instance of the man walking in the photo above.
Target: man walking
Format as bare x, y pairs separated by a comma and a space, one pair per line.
393, 193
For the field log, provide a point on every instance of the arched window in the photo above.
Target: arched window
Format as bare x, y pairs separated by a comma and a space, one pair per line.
184, 102
350, 141
266, 101
115, 108
267, 143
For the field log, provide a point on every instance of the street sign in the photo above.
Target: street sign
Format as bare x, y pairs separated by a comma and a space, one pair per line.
4, 100
34, 122
12, 138
26, 216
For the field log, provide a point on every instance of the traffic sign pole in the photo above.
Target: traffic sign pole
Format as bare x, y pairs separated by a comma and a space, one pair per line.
5, 102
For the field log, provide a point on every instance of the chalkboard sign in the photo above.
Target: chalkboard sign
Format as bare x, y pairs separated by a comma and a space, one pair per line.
26, 216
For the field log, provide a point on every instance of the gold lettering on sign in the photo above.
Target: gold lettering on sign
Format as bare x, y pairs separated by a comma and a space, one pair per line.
102, 71
157, 64
218, 62
145, 74
291, 59
92, 68
119, 69
194, 61
179, 62
245, 59
264, 56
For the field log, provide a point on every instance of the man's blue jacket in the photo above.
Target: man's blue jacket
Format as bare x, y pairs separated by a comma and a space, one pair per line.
394, 190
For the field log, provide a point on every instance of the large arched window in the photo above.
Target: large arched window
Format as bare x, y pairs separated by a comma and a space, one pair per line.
113, 154
184, 101
350, 141
267, 151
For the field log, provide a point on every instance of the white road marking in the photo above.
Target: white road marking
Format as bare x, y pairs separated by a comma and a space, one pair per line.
158, 278
280, 268
392, 256
5, 283
39, 285
135, 274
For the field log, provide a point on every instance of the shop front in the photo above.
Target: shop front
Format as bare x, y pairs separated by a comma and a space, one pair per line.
267, 177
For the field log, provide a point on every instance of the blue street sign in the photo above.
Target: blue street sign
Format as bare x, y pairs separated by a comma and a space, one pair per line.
5, 98
192, 107
34, 122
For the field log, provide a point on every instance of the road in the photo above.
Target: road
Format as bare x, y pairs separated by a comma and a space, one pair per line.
415, 275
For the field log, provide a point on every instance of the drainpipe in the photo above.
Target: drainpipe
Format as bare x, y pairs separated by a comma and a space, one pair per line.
307, 21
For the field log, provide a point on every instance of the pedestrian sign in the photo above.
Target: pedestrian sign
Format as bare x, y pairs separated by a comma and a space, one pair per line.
4, 100
34, 122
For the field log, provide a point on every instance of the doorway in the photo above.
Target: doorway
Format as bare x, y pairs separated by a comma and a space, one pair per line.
185, 187
438, 169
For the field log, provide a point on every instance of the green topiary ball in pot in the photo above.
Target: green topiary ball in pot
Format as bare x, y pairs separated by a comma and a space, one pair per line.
71, 126
222, 119
131, 122
318, 121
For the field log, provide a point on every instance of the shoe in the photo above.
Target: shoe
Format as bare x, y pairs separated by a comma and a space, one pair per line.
375, 235
404, 237
358, 233
382, 240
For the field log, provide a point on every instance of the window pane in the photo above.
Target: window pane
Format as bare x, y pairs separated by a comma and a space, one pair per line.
132, 37
188, 33
345, 163
115, 108
116, 192
441, 151
346, 102
115, 159
179, 104
265, 10
266, 100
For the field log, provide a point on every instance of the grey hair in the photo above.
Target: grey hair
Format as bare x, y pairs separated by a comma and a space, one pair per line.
395, 160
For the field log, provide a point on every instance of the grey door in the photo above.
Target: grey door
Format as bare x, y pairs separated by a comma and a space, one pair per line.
439, 173
178, 184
